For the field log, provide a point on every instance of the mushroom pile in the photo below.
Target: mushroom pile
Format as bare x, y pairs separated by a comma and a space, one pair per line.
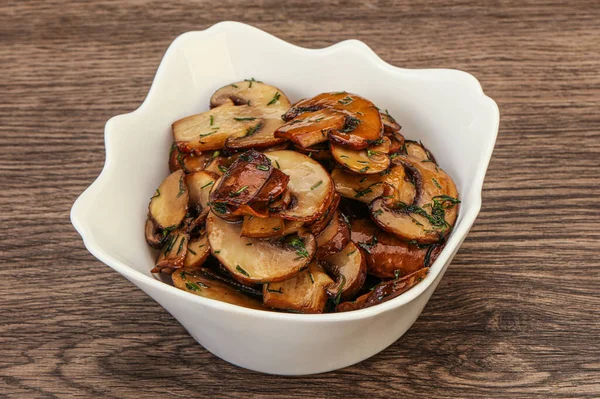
320, 206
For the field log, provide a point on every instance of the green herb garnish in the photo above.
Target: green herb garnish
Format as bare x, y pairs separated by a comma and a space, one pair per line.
156, 194
182, 187
250, 118
212, 120
317, 184
275, 99
239, 269
210, 183
262, 167
238, 192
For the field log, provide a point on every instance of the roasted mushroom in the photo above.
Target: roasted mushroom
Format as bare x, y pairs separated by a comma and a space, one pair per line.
255, 260
199, 185
350, 270
384, 291
250, 92
172, 255
362, 125
309, 184
388, 256
197, 252
169, 203
154, 236
433, 211
255, 227
203, 283
368, 161
312, 128
334, 238
304, 293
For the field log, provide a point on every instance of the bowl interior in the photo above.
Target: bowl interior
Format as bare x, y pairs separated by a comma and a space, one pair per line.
445, 109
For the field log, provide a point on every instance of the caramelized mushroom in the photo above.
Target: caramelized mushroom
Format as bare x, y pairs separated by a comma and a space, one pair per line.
189, 163
199, 185
252, 93
390, 126
388, 256
204, 284
350, 270
363, 123
305, 292
368, 161
253, 260
367, 188
433, 211
154, 237
172, 255
309, 185
321, 223
384, 291
169, 203
312, 128
334, 238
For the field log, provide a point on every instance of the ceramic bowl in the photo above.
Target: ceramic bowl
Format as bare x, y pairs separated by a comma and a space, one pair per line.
446, 109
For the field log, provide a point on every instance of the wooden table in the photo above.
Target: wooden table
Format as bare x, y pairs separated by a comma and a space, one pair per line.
517, 314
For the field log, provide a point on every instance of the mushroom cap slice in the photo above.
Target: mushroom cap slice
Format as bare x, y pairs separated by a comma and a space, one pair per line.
312, 128
169, 204
334, 238
367, 188
253, 260
390, 125
388, 256
189, 162
304, 293
309, 184
432, 213
217, 165
350, 270
384, 291
201, 283
197, 252
363, 123
154, 237
418, 151
172, 254
250, 92
366, 161
274, 187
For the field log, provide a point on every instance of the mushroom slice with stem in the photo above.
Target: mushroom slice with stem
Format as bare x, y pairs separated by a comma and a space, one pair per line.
350, 270
368, 161
210, 130
312, 128
310, 185
431, 214
169, 203
388, 256
203, 283
154, 236
334, 238
172, 254
384, 291
250, 92
362, 126
197, 252
303, 293
255, 227
253, 260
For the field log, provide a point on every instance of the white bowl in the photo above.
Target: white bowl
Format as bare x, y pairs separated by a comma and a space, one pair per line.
446, 109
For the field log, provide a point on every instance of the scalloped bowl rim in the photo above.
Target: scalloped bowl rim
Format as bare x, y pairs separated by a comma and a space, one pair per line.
454, 241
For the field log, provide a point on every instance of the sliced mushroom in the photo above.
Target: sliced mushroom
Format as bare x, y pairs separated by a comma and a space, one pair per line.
309, 185
243, 181
217, 165
367, 188
366, 161
334, 238
169, 203
205, 285
319, 152
250, 92
172, 254
253, 260
154, 236
274, 187
255, 227
433, 211
388, 256
363, 123
350, 270
189, 162
321, 223
199, 185
312, 128
197, 252
418, 151
390, 125
384, 291
262, 134
304, 293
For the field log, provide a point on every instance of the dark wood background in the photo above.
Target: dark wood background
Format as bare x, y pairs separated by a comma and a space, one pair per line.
518, 312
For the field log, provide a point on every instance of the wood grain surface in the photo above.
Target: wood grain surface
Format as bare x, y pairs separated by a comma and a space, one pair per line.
517, 315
